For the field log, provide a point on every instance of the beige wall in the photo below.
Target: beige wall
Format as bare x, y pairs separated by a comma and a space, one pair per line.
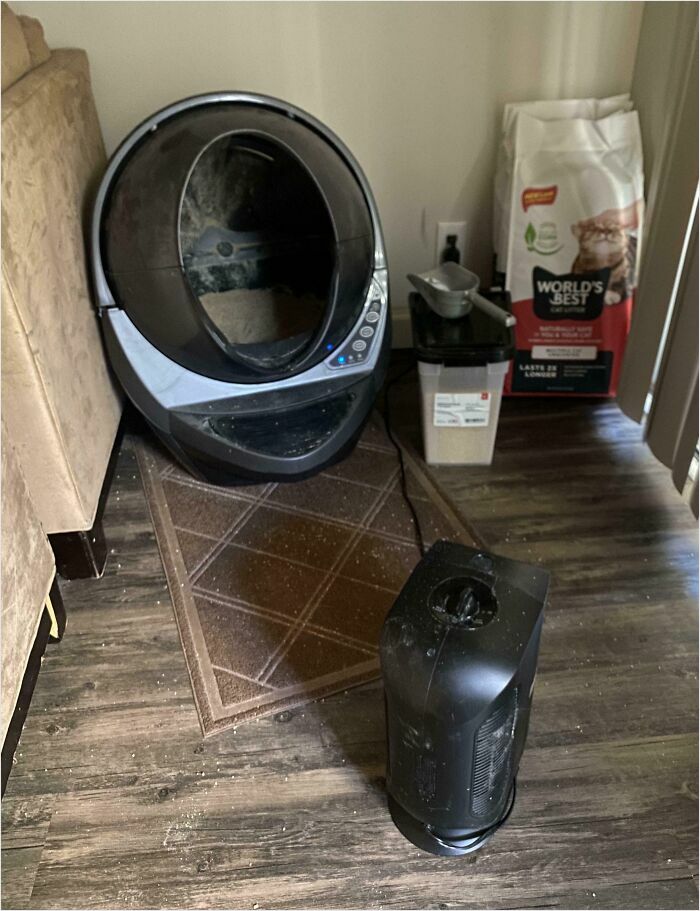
415, 89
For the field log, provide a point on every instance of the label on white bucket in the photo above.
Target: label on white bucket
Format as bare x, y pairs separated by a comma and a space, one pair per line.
462, 409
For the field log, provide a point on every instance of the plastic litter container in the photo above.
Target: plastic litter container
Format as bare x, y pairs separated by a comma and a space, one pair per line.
462, 365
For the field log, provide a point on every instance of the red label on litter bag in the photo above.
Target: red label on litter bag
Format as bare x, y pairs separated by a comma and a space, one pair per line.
538, 196
568, 356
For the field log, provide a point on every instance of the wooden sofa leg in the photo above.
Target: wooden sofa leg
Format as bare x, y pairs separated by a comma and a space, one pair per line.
83, 554
57, 612
80, 554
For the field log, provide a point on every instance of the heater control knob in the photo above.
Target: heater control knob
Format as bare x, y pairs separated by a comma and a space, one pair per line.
465, 602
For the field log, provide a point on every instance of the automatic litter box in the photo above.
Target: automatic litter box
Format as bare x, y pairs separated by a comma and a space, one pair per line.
241, 279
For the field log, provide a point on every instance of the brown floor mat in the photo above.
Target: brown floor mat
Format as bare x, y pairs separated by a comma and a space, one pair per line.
280, 590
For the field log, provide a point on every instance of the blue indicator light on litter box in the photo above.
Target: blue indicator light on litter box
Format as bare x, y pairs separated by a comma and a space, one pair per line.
329, 347
341, 360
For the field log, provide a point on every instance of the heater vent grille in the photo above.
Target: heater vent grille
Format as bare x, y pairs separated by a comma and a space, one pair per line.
493, 756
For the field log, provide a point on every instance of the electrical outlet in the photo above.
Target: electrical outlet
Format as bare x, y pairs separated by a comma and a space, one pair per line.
450, 227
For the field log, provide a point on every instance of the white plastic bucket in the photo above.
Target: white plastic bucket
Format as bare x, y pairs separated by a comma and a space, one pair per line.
460, 408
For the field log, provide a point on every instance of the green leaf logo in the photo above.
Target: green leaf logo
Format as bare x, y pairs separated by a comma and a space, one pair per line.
530, 236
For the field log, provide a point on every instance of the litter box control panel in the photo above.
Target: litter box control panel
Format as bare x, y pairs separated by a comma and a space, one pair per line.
356, 348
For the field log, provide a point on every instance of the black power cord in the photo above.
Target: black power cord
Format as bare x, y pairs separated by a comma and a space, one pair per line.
420, 540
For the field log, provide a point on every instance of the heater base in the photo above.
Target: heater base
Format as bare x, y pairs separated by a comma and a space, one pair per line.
422, 837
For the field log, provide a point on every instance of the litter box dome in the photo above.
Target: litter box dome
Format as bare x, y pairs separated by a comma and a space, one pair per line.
236, 237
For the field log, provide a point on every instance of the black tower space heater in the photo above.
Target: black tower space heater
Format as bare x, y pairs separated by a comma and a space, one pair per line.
459, 655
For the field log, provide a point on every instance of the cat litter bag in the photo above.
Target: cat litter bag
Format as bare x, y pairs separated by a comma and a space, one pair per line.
563, 109
574, 234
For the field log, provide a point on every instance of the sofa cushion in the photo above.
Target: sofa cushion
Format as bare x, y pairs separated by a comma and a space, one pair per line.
36, 43
23, 46
16, 57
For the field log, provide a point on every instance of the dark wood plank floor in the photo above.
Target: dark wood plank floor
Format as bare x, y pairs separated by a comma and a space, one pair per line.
115, 801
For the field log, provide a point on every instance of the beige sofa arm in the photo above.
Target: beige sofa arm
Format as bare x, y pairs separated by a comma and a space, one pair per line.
59, 400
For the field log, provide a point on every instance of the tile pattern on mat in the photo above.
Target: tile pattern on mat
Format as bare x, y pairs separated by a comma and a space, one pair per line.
289, 584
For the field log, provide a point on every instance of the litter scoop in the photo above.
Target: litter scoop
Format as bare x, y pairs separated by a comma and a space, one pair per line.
451, 291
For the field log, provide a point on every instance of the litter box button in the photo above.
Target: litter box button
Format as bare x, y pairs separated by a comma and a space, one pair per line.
372, 316
366, 332
359, 345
